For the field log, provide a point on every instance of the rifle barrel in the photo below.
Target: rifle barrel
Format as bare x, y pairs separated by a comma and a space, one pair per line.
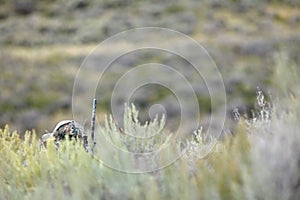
93, 121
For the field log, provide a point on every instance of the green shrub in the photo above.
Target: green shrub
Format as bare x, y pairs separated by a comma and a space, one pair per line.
261, 161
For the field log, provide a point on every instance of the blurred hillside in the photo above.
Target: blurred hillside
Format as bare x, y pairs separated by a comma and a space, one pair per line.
43, 44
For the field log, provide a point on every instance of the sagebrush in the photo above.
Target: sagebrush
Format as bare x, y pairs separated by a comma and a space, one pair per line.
261, 161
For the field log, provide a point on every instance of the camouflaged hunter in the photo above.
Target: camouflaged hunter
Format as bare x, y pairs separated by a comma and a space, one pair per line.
72, 129
65, 128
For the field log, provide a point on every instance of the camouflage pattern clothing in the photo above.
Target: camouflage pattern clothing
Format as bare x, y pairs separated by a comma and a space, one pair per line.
65, 129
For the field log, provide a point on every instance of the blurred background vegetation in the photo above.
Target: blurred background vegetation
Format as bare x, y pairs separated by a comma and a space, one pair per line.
43, 43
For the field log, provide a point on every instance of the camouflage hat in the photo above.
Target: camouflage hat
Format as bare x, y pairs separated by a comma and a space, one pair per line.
64, 128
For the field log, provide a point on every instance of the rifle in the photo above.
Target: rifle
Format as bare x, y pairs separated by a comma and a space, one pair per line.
93, 124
